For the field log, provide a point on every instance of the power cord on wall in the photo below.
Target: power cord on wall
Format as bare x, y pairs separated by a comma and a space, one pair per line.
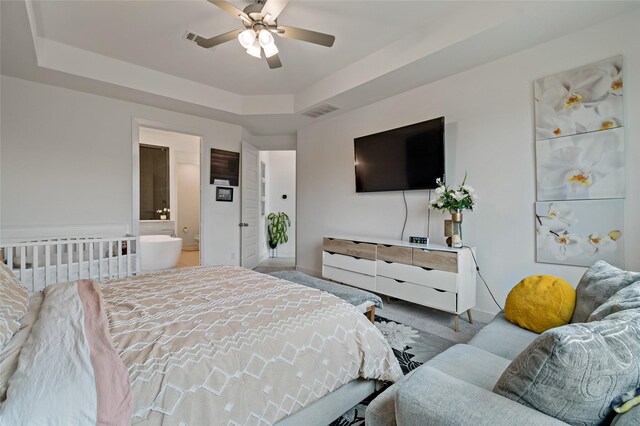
406, 214
428, 214
482, 278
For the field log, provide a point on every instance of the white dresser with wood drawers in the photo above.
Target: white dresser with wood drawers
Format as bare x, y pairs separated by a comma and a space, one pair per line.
440, 277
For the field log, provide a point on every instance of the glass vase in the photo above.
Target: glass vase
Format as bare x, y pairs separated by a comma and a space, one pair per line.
456, 231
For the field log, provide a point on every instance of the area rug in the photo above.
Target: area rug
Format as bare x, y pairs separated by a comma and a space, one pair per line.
411, 347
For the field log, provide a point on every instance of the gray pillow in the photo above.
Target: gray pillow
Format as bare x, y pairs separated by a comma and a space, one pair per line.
599, 283
573, 372
627, 298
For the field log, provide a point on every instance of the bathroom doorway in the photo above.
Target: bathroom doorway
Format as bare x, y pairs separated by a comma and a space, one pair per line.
173, 185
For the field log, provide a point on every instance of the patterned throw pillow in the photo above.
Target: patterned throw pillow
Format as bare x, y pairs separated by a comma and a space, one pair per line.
14, 301
599, 283
573, 372
627, 298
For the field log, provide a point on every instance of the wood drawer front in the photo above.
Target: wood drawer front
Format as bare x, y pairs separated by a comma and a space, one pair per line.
350, 248
365, 282
441, 280
426, 296
350, 263
395, 254
441, 260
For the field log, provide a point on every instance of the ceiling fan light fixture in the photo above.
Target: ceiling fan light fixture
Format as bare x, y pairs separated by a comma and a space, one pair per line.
254, 50
265, 38
270, 50
247, 38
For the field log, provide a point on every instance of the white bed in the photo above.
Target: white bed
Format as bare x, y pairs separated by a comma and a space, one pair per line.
204, 343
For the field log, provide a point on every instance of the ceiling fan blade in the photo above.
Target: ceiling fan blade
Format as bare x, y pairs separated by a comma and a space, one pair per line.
229, 8
273, 8
273, 61
219, 39
307, 35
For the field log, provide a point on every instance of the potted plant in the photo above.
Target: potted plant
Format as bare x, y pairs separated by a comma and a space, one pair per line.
277, 228
163, 213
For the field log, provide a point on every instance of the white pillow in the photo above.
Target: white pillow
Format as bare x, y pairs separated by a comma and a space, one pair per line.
14, 301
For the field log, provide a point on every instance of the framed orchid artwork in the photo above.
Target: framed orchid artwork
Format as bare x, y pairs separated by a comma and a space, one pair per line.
580, 232
586, 166
582, 100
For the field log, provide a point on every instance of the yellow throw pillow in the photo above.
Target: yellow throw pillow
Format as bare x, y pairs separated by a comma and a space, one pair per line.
540, 302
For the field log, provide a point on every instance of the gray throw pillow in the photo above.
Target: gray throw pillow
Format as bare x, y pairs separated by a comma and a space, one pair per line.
573, 372
625, 299
599, 283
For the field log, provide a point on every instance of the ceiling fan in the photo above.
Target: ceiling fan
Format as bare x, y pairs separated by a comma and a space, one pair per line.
260, 21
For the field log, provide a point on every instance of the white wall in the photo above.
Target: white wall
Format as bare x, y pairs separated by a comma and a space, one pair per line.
280, 180
67, 160
490, 135
184, 179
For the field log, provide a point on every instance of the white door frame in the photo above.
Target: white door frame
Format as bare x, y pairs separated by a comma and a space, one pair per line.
136, 124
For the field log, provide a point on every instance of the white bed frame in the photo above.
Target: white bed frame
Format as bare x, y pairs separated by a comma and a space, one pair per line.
39, 257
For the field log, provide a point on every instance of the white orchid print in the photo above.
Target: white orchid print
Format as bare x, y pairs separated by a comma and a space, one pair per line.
561, 245
578, 101
559, 218
581, 167
562, 238
601, 243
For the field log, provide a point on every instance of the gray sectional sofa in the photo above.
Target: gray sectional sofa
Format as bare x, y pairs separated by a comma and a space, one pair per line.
457, 386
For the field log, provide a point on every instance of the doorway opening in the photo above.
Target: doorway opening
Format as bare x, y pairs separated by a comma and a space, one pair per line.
170, 189
277, 194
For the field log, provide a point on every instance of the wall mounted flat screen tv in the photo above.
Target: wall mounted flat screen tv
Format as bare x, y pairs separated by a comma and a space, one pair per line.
406, 158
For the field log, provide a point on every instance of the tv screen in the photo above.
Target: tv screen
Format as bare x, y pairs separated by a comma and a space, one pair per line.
409, 157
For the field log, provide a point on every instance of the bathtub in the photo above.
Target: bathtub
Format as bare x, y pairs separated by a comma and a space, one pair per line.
158, 252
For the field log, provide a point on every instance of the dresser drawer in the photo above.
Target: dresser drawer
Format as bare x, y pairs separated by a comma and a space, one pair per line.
440, 280
365, 282
421, 295
350, 248
394, 254
350, 263
441, 260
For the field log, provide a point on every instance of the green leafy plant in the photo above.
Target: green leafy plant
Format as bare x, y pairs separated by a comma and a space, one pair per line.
277, 228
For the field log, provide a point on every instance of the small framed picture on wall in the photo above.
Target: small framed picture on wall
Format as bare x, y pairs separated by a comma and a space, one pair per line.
224, 193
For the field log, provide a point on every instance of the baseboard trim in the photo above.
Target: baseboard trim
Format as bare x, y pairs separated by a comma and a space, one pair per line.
312, 272
482, 316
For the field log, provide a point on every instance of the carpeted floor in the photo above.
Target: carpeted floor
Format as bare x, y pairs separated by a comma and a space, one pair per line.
412, 348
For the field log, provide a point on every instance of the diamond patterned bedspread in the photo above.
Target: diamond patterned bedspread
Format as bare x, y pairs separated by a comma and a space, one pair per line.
226, 345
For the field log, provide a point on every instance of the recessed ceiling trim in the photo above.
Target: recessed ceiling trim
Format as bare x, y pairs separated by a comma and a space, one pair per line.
470, 21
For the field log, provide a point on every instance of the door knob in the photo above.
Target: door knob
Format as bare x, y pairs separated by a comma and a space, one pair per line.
243, 224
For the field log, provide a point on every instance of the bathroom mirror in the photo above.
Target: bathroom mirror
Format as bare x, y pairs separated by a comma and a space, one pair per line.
154, 181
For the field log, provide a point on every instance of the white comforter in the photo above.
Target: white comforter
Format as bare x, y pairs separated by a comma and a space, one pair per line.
206, 345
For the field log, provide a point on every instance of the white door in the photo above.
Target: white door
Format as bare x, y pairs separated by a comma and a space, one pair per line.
249, 208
